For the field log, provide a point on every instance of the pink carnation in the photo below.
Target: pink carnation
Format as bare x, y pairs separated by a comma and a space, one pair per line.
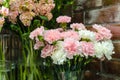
71, 46
70, 34
37, 32
77, 26
98, 37
104, 32
52, 35
87, 48
38, 44
63, 19
47, 51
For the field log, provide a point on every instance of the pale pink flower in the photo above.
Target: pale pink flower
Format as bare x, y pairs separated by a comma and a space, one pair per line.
98, 36
38, 44
63, 19
14, 5
50, 1
49, 16
103, 31
26, 5
59, 29
2, 20
47, 51
37, 32
52, 35
87, 48
71, 46
26, 18
70, 34
77, 26
4, 11
13, 16
52, 6
43, 9
1, 1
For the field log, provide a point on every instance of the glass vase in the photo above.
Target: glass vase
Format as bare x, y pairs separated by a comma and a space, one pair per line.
69, 75
7, 70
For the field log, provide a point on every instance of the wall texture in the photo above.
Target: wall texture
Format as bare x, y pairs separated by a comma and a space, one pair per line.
107, 13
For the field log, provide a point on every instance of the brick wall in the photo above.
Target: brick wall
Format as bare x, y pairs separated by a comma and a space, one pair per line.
105, 12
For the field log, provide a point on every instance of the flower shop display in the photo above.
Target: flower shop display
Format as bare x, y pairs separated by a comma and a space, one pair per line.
61, 53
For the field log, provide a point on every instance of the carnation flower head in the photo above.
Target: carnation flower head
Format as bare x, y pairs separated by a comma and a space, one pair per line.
63, 19
71, 47
47, 51
70, 34
38, 44
104, 32
107, 48
52, 35
77, 26
87, 35
87, 48
37, 32
59, 55
98, 36
104, 48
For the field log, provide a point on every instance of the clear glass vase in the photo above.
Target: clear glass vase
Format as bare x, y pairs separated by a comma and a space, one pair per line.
7, 70
69, 75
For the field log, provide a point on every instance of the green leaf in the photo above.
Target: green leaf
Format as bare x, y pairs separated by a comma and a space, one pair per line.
25, 35
44, 18
40, 38
36, 23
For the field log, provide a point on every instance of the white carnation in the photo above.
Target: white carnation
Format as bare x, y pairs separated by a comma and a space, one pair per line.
104, 48
59, 55
85, 34
107, 49
98, 49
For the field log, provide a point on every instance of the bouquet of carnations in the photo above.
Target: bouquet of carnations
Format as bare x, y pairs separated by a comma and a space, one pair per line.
63, 43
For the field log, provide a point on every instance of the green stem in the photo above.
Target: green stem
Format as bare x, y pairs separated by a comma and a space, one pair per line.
64, 26
43, 21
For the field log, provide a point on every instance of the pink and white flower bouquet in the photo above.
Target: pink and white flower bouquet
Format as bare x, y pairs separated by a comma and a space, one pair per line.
62, 44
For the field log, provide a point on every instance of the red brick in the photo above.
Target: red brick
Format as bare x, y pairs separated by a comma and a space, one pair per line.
116, 49
112, 67
110, 2
67, 11
78, 9
115, 29
90, 75
80, 2
94, 66
92, 4
104, 15
78, 17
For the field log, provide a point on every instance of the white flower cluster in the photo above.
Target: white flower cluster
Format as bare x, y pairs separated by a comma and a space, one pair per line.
85, 34
104, 48
59, 55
